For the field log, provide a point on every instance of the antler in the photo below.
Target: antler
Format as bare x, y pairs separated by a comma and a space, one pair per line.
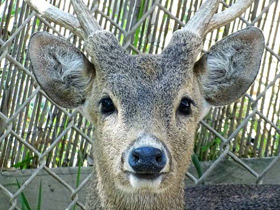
83, 26
86, 20
205, 21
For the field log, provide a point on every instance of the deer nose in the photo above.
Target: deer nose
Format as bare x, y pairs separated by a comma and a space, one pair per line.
147, 160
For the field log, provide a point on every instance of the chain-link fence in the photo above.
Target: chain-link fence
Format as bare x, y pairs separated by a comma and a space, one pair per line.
34, 133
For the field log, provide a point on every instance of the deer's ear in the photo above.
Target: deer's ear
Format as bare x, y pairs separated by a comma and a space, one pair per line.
62, 71
231, 66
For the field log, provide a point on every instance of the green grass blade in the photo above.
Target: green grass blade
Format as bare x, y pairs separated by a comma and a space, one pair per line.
80, 161
197, 165
25, 203
137, 32
39, 197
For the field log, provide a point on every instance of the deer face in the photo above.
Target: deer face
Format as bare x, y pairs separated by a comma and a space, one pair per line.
145, 108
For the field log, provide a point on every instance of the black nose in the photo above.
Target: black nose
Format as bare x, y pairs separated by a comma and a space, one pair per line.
147, 160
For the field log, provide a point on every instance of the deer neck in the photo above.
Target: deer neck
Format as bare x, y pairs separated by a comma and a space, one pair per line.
104, 195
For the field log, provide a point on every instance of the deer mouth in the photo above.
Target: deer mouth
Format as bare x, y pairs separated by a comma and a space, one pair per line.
147, 176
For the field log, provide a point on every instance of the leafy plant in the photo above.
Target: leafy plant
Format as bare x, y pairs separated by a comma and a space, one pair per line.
26, 163
210, 144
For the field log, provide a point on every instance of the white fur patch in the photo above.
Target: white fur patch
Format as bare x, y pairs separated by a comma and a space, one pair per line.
141, 184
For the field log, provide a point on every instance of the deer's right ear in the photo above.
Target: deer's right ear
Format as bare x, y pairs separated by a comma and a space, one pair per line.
231, 66
63, 72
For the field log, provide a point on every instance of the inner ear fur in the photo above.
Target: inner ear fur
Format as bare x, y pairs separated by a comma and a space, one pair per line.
62, 71
231, 66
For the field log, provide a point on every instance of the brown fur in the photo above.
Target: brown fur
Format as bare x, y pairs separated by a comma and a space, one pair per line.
146, 91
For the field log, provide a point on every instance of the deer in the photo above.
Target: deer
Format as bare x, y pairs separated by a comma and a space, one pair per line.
145, 107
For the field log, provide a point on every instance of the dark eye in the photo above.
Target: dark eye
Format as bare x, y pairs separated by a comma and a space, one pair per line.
185, 106
107, 106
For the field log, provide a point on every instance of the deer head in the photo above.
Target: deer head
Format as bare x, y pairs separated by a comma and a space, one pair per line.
145, 108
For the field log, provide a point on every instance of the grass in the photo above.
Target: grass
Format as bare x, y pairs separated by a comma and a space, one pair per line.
197, 165
25, 204
80, 164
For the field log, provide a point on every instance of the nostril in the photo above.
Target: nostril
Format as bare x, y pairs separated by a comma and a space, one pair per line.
136, 155
159, 158
135, 158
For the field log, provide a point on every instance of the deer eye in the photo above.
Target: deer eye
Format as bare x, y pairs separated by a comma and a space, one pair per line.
185, 106
107, 106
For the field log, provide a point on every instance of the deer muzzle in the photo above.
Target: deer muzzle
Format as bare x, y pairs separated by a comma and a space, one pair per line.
146, 161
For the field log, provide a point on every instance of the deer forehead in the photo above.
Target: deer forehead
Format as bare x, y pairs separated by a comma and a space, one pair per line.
144, 75
143, 90
177, 58
143, 80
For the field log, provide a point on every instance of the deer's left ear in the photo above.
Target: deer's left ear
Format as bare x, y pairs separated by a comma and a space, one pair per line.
63, 72
231, 66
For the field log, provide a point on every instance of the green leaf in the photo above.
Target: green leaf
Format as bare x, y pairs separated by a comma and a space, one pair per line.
23, 164
210, 144
37, 22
